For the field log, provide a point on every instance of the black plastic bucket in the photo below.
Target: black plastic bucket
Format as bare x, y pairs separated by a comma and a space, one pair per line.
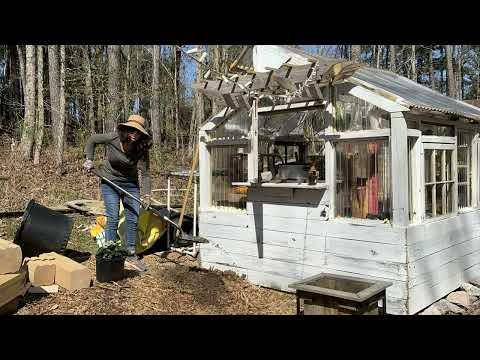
42, 230
109, 269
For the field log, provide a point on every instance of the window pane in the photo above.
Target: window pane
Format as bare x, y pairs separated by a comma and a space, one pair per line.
438, 165
354, 114
438, 197
449, 198
448, 165
437, 130
464, 168
363, 179
428, 158
228, 166
428, 201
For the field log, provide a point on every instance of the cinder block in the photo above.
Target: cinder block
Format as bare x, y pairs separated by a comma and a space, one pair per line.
68, 273
10, 257
41, 271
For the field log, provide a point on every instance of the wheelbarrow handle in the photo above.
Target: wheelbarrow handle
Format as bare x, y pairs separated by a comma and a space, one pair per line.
145, 205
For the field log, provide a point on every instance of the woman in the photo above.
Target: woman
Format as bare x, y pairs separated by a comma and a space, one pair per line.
126, 153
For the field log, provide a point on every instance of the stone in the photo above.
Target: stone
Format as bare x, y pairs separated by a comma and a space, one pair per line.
41, 271
68, 273
471, 289
11, 286
459, 298
443, 307
10, 257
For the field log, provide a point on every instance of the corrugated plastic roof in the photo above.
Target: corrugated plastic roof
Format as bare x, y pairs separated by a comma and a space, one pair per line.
414, 94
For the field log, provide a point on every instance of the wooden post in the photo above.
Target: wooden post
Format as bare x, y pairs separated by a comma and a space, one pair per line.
399, 161
417, 181
253, 154
475, 172
330, 157
205, 172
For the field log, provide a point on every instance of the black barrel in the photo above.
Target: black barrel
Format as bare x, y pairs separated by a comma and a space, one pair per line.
42, 230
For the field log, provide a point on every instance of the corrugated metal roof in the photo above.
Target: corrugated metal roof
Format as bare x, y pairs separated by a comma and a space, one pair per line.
414, 94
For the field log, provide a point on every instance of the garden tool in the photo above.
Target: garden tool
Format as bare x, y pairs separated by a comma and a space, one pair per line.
181, 237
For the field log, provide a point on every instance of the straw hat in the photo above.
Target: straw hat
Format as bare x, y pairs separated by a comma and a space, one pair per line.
136, 122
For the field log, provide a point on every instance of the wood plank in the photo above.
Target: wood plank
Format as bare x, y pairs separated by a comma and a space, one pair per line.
232, 248
422, 296
399, 161
278, 210
253, 235
366, 250
431, 262
288, 195
361, 134
438, 139
377, 100
340, 229
446, 270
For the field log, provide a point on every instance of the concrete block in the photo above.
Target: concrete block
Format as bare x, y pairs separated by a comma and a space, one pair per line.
10, 257
50, 289
459, 298
68, 273
41, 271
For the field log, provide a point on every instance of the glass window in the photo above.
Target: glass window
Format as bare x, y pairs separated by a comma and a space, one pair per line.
464, 168
354, 114
363, 179
229, 164
439, 182
437, 130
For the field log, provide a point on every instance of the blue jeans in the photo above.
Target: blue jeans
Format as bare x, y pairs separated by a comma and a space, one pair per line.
112, 197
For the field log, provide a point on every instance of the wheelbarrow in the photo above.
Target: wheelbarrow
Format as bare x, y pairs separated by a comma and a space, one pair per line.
183, 239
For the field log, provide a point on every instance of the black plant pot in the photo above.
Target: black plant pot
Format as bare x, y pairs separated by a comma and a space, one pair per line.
110, 269
43, 230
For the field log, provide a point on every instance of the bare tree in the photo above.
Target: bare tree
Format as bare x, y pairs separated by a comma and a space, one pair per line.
28, 132
88, 88
450, 74
60, 136
53, 74
155, 99
126, 84
21, 59
113, 105
392, 65
413, 61
40, 109
176, 63
432, 70
356, 52
198, 111
459, 72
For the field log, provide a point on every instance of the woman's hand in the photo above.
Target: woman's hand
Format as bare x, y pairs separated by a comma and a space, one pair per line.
88, 165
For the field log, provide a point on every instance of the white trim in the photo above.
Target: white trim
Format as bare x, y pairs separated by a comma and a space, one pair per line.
377, 99
439, 139
292, 106
253, 153
205, 171
399, 178
438, 146
362, 134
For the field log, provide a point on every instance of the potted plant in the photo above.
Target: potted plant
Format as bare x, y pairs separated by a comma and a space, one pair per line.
110, 261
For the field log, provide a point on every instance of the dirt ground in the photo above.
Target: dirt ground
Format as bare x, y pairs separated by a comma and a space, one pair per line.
173, 284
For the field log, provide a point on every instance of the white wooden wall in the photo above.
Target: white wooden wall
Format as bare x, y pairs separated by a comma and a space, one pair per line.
295, 241
441, 256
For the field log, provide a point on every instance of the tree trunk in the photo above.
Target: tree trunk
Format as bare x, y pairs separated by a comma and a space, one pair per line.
28, 132
21, 59
217, 56
379, 51
155, 105
460, 73
432, 71
40, 110
198, 112
450, 74
126, 95
89, 89
113, 106
54, 82
413, 61
60, 139
356, 52
175, 95
392, 66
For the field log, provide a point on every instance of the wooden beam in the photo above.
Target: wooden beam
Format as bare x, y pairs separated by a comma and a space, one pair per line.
377, 100
253, 154
399, 161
